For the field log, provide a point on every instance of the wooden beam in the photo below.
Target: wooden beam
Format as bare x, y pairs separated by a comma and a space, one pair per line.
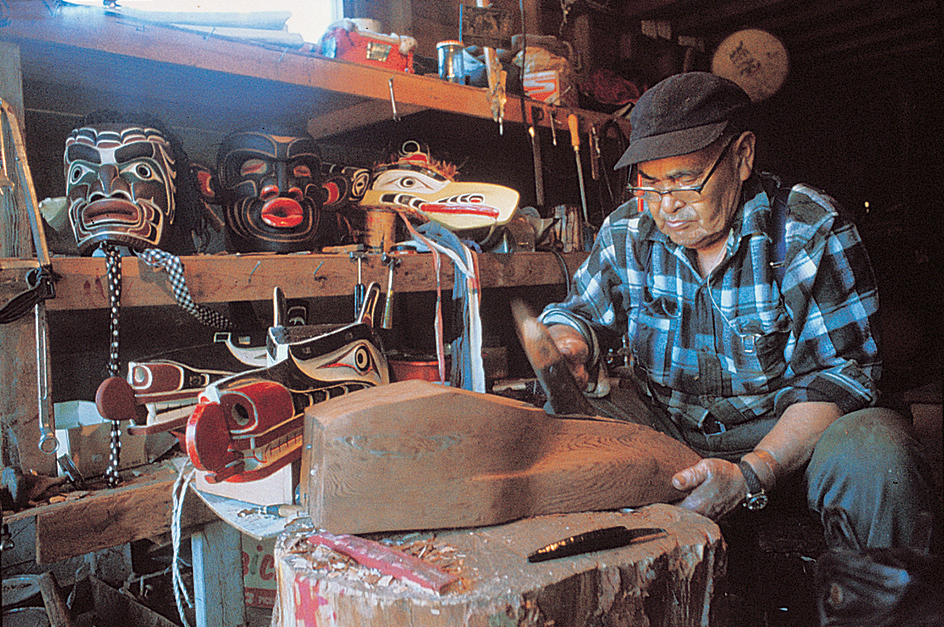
227, 278
11, 78
356, 116
138, 509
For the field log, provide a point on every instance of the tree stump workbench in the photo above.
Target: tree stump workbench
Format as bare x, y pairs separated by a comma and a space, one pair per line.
668, 580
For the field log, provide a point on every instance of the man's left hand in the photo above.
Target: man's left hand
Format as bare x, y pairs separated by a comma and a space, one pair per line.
714, 487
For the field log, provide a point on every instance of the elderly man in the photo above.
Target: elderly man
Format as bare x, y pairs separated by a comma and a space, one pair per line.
753, 343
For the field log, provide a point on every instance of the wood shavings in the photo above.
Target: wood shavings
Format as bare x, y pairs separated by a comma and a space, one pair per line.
335, 565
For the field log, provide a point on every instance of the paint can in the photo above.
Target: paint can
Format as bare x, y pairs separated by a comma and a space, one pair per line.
450, 61
380, 229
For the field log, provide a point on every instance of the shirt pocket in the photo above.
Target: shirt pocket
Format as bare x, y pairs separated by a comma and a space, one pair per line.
657, 322
757, 345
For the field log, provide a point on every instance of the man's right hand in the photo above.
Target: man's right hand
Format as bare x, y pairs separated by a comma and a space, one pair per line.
574, 349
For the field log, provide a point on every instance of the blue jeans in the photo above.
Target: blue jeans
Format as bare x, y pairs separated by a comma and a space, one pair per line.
867, 463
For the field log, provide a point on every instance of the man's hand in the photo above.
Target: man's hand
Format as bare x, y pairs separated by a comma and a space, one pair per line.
714, 487
574, 349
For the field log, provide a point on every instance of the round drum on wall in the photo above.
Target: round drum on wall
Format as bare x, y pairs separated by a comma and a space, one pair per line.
755, 60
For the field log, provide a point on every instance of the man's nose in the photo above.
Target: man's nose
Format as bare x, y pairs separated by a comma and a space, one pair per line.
669, 204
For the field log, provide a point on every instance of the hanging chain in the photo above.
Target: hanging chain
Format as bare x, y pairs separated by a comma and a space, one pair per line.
113, 273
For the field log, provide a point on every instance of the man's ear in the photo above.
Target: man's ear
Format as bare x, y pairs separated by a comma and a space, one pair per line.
744, 151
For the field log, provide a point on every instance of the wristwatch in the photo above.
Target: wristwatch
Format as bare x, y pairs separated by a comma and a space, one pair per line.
756, 497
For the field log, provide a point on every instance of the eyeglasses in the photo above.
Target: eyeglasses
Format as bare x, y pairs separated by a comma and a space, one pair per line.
684, 194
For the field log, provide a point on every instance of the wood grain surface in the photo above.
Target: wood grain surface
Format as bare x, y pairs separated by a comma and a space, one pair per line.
417, 455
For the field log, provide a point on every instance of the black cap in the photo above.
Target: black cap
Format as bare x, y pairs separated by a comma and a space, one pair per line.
682, 114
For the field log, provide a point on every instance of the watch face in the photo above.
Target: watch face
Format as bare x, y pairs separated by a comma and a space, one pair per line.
755, 502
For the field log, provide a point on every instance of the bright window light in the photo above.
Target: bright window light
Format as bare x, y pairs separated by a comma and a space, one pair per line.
310, 18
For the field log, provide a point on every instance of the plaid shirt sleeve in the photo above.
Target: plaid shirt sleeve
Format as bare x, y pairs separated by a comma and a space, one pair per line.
832, 298
597, 306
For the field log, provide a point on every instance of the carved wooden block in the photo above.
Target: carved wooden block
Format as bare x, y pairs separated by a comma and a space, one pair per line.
418, 455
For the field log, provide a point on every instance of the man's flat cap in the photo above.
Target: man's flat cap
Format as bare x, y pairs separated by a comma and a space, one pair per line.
682, 114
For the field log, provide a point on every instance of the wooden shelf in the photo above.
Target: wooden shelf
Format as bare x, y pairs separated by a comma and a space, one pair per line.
212, 83
81, 282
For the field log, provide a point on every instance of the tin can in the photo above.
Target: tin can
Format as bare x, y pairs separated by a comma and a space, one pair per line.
450, 61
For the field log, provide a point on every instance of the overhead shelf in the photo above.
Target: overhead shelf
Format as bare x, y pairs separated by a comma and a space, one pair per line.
216, 83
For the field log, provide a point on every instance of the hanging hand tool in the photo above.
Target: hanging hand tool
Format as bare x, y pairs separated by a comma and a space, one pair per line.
360, 290
25, 196
549, 113
594, 153
392, 262
393, 101
536, 155
574, 125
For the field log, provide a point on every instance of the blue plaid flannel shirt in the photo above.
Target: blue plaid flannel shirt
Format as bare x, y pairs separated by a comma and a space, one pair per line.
736, 345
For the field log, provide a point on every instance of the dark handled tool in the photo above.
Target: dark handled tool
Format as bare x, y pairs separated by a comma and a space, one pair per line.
563, 396
536, 115
596, 540
594, 153
360, 290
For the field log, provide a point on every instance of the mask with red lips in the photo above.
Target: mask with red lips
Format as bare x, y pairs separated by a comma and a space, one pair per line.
270, 188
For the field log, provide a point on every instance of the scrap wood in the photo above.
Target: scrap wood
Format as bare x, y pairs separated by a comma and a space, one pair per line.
387, 560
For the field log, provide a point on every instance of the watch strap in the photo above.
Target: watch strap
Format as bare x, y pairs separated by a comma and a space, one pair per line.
756, 497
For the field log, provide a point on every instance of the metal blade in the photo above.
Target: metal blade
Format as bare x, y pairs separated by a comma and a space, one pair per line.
596, 540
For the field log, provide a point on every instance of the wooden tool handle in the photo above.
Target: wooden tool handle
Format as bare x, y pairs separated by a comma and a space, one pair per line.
114, 400
574, 124
387, 560
563, 395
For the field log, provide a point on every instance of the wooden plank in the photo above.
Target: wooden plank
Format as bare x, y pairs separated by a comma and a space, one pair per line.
19, 405
226, 278
11, 78
417, 455
138, 509
218, 576
665, 580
